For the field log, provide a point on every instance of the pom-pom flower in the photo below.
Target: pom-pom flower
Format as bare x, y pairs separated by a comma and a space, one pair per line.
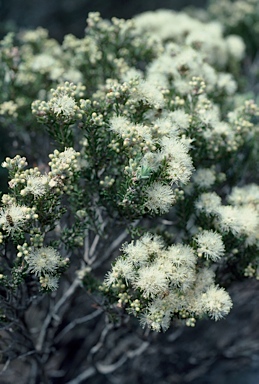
208, 203
36, 185
210, 245
151, 280
160, 198
45, 260
216, 302
204, 177
13, 218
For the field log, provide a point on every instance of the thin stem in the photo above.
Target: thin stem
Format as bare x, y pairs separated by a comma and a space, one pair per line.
53, 313
76, 322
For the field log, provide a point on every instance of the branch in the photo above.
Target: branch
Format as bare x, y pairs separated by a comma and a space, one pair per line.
114, 245
74, 323
83, 376
106, 369
99, 344
54, 312
89, 251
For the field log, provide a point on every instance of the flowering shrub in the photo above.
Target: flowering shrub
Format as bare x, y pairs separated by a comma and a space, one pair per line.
153, 143
239, 17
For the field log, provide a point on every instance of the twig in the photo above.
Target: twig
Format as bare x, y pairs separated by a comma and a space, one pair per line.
94, 245
54, 312
74, 323
89, 251
106, 369
33, 372
27, 354
83, 376
138, 351
114, 245
86, 247
5, 366
99, 345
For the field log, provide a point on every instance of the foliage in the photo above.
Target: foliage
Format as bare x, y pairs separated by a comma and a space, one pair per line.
148, 126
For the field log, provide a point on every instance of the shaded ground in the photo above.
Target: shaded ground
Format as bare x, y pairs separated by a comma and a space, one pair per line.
225, 352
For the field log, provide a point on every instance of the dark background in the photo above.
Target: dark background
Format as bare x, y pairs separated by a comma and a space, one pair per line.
68, 16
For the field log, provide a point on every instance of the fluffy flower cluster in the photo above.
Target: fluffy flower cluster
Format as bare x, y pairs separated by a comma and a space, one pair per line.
146, 116
210, 245
31, 210
63, 167
240, 17
15, 164
14, 217
45, 262
61, 105
157, 283
181, 28
30, 182
36, 185
241, 217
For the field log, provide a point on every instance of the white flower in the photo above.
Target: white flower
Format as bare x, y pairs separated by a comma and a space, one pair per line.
210, 245
224, 129
179, 163
131, 74
148, 93
36, 185
210, 116
178, 263
160, 198
216, 302
180, 118
208, 203
180, 255
17, 162
180, 171
210, 77
49, 282
153, 243
227, 83
121, 269
166, 127
182, 86
13, 218
183, 277
155, 317
9, 108
158, 79
239, 220
236, 46
63, 104
147, 246
152, 160
72, 75
138, 253
120, 125
204, 177
249, 194
45, 260
205, 278
43, 63
64, 163
151, 281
